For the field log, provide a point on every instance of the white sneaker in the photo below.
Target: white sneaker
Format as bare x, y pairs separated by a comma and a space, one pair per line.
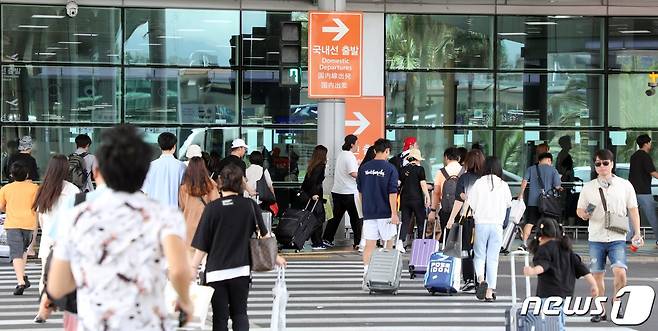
400, 246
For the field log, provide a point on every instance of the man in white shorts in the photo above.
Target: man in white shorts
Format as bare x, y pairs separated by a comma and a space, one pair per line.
377, 182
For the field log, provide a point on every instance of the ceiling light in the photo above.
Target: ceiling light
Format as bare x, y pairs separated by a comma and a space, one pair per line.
70, 42
86, 34
56, 48
47, 16
170, 37
254, 57
635, 31
33, 26
112, 55
562, 16
148, 44
46, 54
541, 23
253, 38
512, 34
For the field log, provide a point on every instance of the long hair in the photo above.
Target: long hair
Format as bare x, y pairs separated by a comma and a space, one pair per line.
474, 162
53, 184
319, 157
549, 229
492, 167
196, 178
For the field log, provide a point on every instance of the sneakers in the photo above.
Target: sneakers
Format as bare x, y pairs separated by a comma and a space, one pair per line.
27, 282
598, 318
328, 243
319, 247
19, 289
522, 248
400, 246
468, 287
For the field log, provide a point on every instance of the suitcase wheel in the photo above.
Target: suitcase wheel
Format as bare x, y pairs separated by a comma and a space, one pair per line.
412, 275
395, 292
370, 292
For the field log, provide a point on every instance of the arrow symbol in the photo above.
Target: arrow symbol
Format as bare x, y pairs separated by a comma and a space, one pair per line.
362, 123
341, 30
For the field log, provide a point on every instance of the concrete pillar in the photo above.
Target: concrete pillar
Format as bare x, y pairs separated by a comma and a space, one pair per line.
331, 120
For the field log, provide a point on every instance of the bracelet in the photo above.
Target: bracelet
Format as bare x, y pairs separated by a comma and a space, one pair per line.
433, 209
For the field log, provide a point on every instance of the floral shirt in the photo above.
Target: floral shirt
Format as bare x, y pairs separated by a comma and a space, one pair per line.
114, 246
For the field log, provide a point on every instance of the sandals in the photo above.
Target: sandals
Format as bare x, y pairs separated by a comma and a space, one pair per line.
481, 290
492, 299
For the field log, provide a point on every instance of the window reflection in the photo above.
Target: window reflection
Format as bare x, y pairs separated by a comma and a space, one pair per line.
261, 34
185, 37
439, 98
560, 99
264, 101
56, 94
628, 105
633, 43
214, 141
185, 96
46, 34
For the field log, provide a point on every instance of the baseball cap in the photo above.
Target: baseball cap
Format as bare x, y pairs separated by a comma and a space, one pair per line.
237, 143
415, 153
25, 143
408, 142
192, 151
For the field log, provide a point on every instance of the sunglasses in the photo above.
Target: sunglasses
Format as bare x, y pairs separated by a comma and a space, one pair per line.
602, 163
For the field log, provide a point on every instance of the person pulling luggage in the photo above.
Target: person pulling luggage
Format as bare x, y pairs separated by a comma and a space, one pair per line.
312, 189
414, 196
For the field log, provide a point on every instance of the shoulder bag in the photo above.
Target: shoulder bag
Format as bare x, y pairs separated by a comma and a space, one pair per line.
549, 202
265, 195
613, 222
262, 250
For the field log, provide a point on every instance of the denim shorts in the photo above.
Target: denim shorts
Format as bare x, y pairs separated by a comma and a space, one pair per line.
18, 240
615, 251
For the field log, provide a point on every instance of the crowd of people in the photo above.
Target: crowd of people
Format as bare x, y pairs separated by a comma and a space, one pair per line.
148, 221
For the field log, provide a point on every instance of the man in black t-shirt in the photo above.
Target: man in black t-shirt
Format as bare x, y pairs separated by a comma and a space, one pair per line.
642, 169
238, 151
414, 196
24, 155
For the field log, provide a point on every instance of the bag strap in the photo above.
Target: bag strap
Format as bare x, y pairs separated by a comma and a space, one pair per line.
541, 182
80, 198
605, 204
445, 174
258, 235
203, 201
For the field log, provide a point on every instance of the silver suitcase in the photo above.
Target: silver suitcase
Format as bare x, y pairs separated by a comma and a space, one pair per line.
267, 219
385, 270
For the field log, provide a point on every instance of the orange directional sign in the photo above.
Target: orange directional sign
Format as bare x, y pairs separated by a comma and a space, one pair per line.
364, 118
334, 54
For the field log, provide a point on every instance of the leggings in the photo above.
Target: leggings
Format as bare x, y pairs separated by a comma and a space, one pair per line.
412, 208
230, 299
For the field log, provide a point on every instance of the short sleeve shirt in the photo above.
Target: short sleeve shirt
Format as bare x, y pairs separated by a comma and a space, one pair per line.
346, 164
115, 248
549, 176
561, 269
376, 180
410, 177
620, 196
18, 198
640, 172
232, 159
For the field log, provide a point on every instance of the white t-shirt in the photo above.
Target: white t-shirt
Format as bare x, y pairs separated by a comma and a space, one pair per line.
489, 203
46, 219
254, 172
344, 183
619, 196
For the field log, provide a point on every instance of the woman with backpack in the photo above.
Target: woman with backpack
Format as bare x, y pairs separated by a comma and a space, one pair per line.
255, 172
53, 190
489, 199
196, 191
312, 191
414, 197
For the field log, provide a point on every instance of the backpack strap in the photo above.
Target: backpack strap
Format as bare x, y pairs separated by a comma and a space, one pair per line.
80, 198
445, 174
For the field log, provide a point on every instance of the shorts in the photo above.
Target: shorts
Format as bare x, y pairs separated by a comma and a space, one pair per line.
377, 229
532, 215
615, 251
18, 240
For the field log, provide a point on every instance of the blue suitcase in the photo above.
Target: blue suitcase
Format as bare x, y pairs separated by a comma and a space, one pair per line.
443, 274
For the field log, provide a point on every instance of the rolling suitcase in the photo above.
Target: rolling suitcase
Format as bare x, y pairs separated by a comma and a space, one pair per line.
514, 321
385, 270
267, 219
512, 229
296, 226
421, 250
443, 273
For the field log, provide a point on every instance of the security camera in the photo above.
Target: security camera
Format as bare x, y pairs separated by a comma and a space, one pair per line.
653, 82
72, 8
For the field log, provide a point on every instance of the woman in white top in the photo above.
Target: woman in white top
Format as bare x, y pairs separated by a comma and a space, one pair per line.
53, 190
256, 171
489, 198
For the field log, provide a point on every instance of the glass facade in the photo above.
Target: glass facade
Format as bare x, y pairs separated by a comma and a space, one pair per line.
505, 82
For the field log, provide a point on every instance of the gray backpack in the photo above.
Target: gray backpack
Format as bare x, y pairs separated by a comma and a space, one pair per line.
78, 174
449, 190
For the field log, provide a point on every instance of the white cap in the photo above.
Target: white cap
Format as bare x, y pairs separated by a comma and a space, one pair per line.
237, 143
192, 151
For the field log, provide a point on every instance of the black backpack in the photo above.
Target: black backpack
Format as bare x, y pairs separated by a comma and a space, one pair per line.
78, 174
449, 190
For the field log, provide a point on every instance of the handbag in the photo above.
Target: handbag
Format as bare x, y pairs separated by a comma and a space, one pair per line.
280, 293
613, 222
265, 195
201, 297
454, 244
262, 250
549, 202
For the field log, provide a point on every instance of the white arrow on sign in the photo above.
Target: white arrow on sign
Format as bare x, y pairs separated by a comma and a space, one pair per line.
341, 30
362, 123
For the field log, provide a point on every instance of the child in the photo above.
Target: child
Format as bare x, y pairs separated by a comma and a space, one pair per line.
556, 264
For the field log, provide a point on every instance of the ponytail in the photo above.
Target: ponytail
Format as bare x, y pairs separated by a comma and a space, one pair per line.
550, 228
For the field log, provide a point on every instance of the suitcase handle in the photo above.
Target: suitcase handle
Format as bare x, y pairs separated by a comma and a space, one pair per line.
526, 258
314, 205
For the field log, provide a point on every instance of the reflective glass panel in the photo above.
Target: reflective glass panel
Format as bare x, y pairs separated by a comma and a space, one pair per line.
185, 37
432, 98
265, 102
633, 43
628, 104
438, 41
552, 43
46, 34
183, 96
261, 34
57, 94
286, 151
214, 141
557, 99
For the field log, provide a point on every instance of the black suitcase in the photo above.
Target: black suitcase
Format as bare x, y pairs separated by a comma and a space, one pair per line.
296, 226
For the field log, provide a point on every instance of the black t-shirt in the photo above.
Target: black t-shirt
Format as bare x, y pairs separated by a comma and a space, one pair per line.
464, 184
28, 160
410, 177
224, 231
312, 184
640, 172
561, 269
232, 159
